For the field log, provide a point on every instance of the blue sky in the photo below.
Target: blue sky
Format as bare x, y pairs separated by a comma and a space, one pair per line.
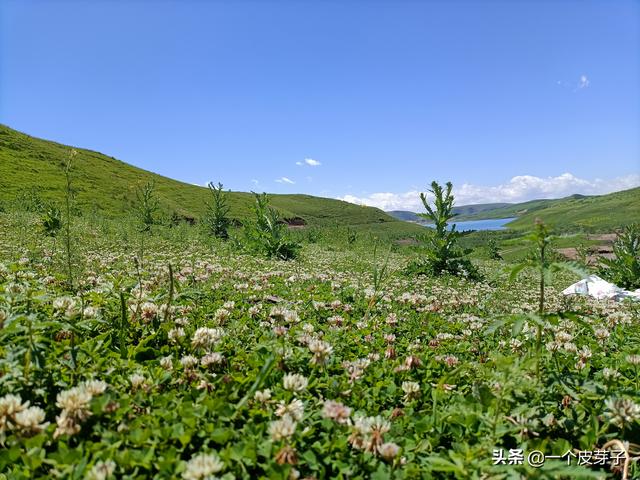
508, 100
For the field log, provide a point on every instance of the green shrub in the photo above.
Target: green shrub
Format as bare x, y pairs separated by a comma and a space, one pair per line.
624, 269
147, 206
216, 217
267, 234
51, 221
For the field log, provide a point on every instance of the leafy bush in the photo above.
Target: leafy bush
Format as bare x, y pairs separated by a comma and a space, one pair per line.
51, 221
267, 233
216, 217
624, 269
442, 256
492, 250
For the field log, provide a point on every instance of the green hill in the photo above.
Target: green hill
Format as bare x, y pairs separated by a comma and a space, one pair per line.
107, 185
576, 212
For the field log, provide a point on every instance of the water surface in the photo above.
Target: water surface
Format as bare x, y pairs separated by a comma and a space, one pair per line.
488, 224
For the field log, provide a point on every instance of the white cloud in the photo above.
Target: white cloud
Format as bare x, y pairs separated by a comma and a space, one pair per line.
254, 181
285, 180
309, 161
584, 82
519, 189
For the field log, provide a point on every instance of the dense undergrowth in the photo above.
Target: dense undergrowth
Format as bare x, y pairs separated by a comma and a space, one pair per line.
200, 361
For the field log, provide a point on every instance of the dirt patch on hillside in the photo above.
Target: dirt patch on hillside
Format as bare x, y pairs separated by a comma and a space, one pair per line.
406, 241
603, 237
594, 252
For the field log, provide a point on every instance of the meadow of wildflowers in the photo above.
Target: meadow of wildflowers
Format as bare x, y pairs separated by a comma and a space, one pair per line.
228, 365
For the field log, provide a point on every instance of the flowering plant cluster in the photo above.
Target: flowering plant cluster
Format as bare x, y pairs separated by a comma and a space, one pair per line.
232, 366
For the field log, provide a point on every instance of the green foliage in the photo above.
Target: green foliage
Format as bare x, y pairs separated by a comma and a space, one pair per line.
492, 250
147, 206
30, 199
164, 404
624, 269
442, 255
216, 217
51, 221
541, 259
268, 234
313, 234
352, 236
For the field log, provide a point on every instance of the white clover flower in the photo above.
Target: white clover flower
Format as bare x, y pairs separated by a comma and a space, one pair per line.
622, 412
321, 351
602, 334
64, 303
262, 396
95, 387
633, 359
188, 361
282, 429
137, 381
175, 334
206, 337
102, 470
75, 399
66, 424
11, 404
167, 363
202, 466
31, 420
295, 409
214, 358
610, 373
148, 311
336, 411
388, 451
221, 315
411, 390
295, 382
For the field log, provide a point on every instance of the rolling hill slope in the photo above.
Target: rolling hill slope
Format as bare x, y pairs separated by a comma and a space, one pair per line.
108, 186
576, 212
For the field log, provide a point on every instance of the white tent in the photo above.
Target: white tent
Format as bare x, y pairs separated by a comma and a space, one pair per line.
596, 287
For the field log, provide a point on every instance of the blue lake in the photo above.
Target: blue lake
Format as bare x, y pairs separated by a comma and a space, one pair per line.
489, 224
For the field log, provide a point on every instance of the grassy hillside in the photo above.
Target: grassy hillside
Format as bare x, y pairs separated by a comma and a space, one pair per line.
602, 212
509, 210
107, 186
577, 212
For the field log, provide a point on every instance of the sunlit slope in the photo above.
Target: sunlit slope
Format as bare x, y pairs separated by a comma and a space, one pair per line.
108, 186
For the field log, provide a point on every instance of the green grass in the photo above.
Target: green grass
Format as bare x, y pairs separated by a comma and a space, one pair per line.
107, 186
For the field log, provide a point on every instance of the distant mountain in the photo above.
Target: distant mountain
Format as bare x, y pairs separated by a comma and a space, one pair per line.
408, 216
575, 212
478, 208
